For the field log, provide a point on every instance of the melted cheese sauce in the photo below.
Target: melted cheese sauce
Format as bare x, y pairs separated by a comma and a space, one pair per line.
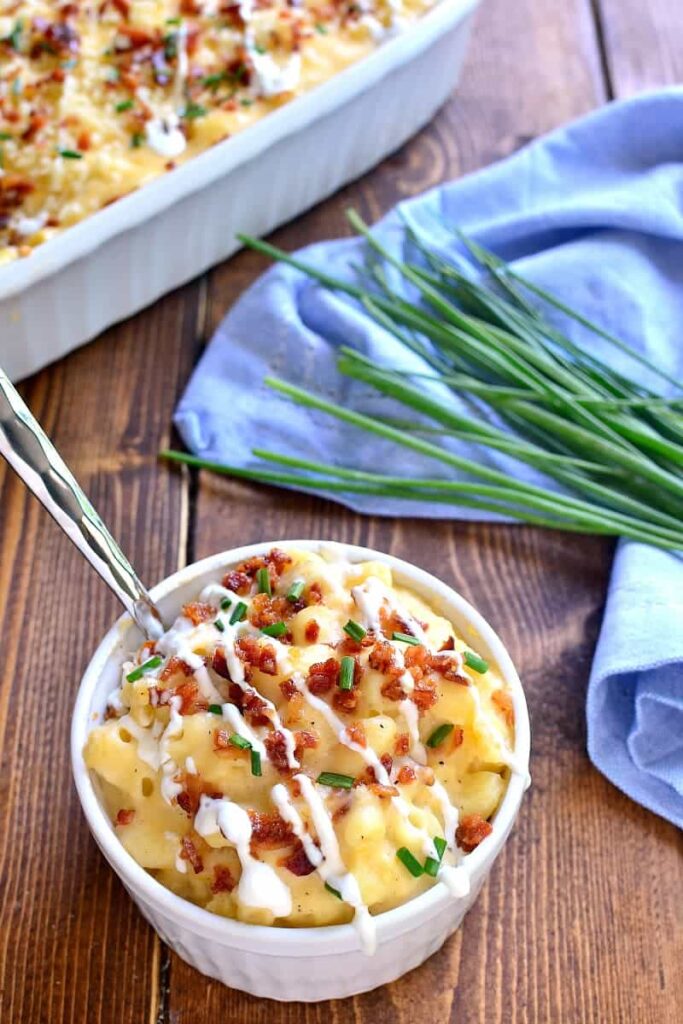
213, 755
98, 97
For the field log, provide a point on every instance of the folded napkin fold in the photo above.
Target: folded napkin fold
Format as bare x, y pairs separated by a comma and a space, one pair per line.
592, 212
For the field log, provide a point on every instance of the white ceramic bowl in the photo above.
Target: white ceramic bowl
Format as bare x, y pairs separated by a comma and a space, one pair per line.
306, 964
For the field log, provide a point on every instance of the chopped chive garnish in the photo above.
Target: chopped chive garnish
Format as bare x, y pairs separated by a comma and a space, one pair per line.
173, 21
215, 709
440, 734
239, 611
354, 630
220, 626
255, 763
405, 638
213, 81
346, 673
259, 48
296, 590
320, 28
431, 867
263, 581
70, 154
246, 103
410, 862
225, 604
338, 781
123, 105
146, 666
276, 629
136, 140
239, 741
335, 892
193, 111
5, 136
473, 661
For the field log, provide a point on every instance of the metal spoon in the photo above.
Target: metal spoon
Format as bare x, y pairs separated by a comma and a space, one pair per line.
32, 455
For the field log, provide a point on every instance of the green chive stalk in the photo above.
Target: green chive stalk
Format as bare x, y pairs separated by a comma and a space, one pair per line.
613, 443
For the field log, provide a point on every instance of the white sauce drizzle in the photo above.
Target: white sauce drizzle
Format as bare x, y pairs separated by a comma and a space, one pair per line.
260, 886
412, 716
332, 868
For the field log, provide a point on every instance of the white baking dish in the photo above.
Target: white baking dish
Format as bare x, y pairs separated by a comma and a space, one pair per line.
304, 964
122, 258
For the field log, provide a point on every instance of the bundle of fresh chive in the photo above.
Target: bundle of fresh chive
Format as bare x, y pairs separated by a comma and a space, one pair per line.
614, 445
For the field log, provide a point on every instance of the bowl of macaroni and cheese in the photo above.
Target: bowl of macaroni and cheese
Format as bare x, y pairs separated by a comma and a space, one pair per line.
305, 780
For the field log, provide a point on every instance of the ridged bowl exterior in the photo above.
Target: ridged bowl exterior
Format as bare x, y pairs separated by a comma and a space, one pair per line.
298, 964
124, 257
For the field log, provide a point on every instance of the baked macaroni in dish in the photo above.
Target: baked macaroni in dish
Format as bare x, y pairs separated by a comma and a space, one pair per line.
98, 97
308, 744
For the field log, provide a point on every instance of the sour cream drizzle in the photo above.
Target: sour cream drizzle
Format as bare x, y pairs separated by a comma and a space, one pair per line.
260, 886
327, 860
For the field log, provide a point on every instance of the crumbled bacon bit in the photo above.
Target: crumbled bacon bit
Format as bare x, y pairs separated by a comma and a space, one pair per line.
339, 812
253, 707
264, 610
289, 689
269, 831
424, 695
471, 831
315, 594
236, 581
502, 699
219, 663
298, 863
190, 852
304, 740
174, 666
383, 792
222, 879
448, 645
392, 689
406, 775
276, 748
259, 655
391, 622
197, 612
323, 676
449, 668
239, 580
312, 631
125, 816
190, 700
457, 737
356, 733
402, 744
382, 658
221, 740
193, 788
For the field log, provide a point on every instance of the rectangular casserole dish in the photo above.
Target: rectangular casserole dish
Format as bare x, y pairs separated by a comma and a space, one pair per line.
125, 256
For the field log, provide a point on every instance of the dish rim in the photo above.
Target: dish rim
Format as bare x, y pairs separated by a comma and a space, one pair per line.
268, 939
154, 197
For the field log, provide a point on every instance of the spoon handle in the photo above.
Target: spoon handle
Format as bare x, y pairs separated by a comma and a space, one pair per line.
32, 455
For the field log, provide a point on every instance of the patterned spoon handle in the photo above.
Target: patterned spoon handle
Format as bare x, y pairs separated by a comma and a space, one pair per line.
35, 459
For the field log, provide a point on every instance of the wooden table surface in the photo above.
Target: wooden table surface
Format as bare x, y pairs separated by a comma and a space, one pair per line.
578, 920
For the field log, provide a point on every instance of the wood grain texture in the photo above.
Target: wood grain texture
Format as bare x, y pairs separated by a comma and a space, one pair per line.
72, 946
642, 43
578, 921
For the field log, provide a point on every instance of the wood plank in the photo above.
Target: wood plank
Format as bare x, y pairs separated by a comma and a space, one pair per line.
72, 946
528, 950
642, 44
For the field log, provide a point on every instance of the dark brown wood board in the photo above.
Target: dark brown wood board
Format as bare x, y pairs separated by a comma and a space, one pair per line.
578, 921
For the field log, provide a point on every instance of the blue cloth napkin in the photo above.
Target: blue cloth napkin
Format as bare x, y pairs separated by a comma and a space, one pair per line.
593, 212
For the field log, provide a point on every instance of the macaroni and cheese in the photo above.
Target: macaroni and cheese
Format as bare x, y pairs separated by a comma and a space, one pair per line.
308, 744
